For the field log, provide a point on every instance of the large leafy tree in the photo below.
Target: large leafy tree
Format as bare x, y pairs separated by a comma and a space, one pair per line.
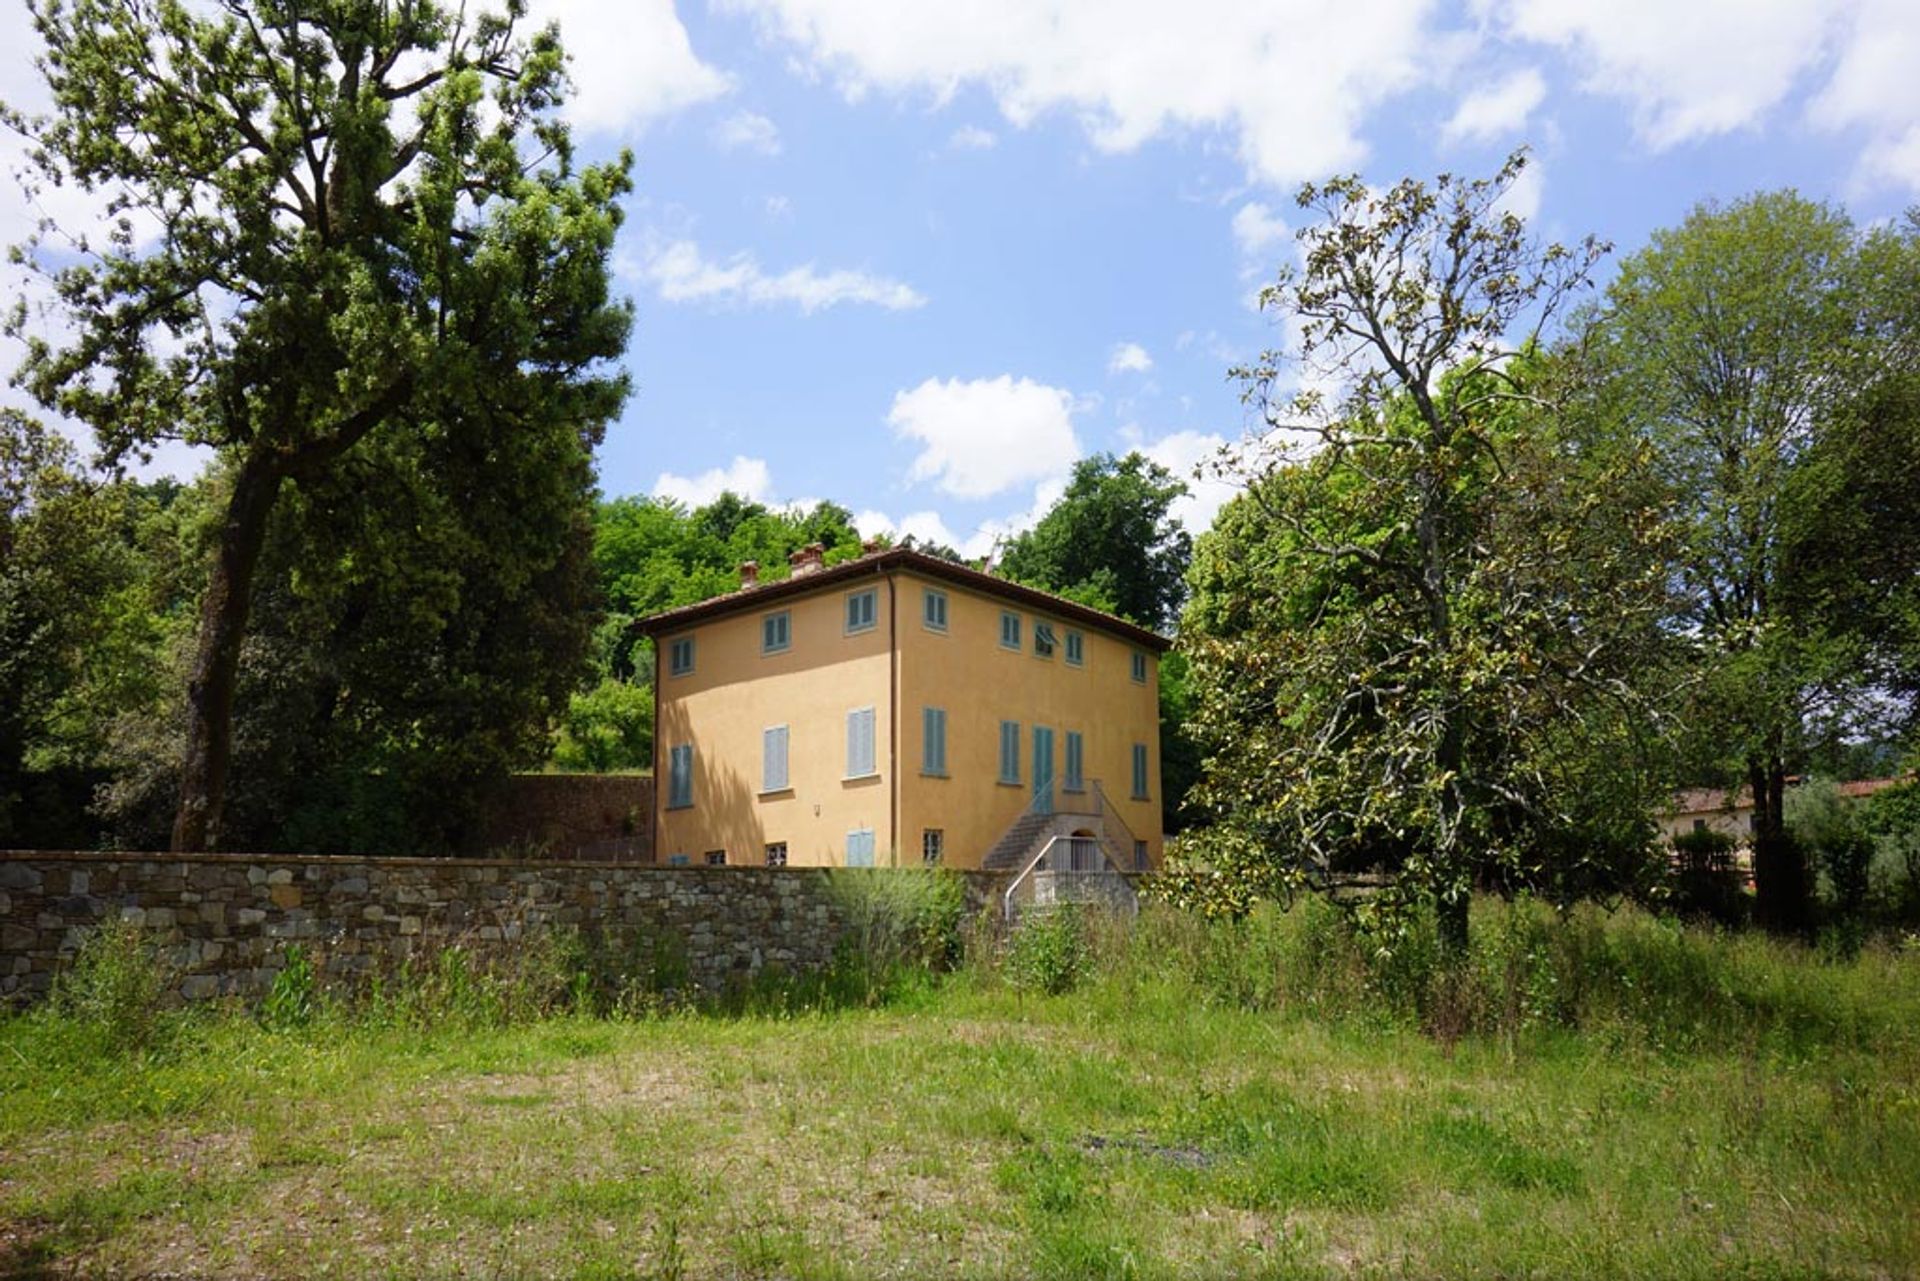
420, 616
1417, 641
1110, 538
340, 221
1757, 351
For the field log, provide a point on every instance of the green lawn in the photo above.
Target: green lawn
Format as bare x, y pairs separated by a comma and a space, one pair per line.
1139, 1126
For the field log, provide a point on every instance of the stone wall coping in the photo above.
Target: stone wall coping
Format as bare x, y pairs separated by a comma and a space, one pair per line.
396, 860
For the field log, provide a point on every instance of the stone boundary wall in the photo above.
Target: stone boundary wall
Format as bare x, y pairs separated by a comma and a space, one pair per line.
224, 921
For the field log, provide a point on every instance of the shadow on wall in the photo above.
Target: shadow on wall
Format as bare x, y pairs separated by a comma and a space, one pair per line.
725, 815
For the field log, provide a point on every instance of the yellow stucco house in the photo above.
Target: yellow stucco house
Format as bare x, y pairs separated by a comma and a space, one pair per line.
900, 710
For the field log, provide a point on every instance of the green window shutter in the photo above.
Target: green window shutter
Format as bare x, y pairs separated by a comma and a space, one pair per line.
773, 759
680, 777
1009, 751
1076, 757
1140, 771
860, 761
933, 744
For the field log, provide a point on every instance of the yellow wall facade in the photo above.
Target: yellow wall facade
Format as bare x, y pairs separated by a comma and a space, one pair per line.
979, 683
735, 692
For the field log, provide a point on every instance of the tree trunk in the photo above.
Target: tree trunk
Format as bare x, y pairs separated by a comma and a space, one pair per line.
1779, 868
216, 664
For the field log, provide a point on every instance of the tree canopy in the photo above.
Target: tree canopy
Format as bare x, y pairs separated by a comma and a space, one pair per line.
337, 223
1109, 540
1418, 643
1763, 354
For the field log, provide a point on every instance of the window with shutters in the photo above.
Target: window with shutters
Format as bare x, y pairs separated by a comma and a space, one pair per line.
860, 755
680, 777
860, 847
776, 633
1009, 630
1139, 771
933, 741
1009, 751
1043, 640
1139, 856
776, 854
932, 843
862, 611
1076, 649
933, 610
1075, 780
680, 656
1139, 668
773, 759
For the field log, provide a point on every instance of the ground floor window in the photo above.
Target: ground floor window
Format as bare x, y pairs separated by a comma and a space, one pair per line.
716, 858
1140, 856
777, 854
932, 844
676, 860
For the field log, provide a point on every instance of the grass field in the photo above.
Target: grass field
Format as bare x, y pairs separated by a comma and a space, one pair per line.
1204, 1102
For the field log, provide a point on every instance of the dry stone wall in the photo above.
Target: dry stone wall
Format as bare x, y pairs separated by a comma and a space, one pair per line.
224, 922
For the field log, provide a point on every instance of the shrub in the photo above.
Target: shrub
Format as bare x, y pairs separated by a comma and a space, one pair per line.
1705, 884
294, 998
114, 987
1048, 951
896, 921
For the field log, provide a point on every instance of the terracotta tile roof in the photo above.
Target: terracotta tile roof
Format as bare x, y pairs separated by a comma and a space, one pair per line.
893, 558
1713, 800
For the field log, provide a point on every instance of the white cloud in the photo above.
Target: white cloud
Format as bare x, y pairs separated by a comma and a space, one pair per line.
681, 273
1129, 358
922, 527
747, 477
748, 131
972, 138
1183, 453
984, 436
1289, 81
1874, 86
1258, 231
1497, 111
1691, 70
631, 62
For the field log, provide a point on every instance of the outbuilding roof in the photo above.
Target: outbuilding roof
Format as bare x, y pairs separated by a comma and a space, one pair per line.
877, 563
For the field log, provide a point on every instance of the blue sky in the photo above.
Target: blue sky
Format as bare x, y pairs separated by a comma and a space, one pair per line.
917, 257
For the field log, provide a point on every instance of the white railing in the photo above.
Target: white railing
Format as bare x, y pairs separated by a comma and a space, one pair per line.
1079, 862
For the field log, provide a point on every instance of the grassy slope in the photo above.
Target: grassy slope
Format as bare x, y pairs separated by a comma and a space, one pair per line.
1128, 1129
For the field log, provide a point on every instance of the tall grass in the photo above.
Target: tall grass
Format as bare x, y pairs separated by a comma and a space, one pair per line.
1529, 971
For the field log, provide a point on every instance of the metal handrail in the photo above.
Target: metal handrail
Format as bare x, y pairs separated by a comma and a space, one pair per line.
1110, 818
1108, 867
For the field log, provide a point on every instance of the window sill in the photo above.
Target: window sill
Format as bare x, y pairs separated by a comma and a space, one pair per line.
774, 792
861, 778
1008, 782
933, 773
671, 808
860, 631
1070, 790
1138, 797
773, 653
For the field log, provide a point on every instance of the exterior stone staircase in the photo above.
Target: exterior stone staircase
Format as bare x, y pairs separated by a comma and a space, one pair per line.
1052, 865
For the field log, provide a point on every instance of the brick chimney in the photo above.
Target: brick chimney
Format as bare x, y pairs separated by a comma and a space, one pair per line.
749, 574
808, 560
